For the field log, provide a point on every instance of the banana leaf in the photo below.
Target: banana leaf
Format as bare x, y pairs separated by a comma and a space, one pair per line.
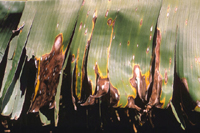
131, 50
43, 21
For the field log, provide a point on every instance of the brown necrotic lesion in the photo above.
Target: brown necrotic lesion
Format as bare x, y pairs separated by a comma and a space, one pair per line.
47, 80
103, 89
157, 85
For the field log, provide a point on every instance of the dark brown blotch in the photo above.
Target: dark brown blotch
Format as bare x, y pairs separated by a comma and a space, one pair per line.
51, 64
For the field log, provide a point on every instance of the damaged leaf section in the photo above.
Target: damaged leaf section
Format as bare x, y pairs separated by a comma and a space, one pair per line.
114, 96
131, 104
102, 88
140, 82
49, 67
157, 84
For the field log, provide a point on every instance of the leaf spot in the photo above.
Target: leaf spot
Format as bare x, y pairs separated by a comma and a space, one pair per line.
176, 9
109, 22
141, 22
106, 13
151, 29
80, 26
86, 31
150, 37
147, 51
168, 14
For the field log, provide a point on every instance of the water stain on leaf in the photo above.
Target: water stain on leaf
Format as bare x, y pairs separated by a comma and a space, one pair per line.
49, 67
